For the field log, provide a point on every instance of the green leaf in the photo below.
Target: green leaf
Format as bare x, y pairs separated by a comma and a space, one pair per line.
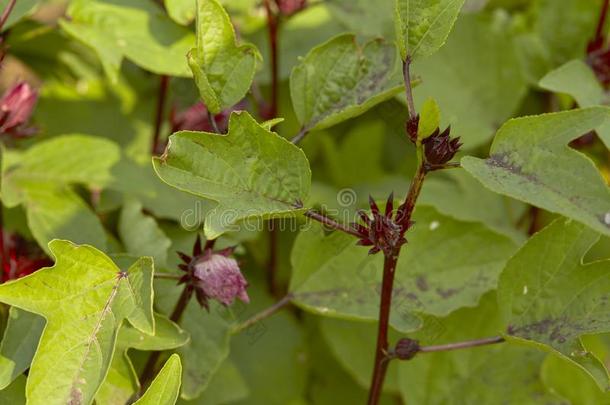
181, 11
21, 9
165, 387
422, 26
576, 79
370, 19
14, 394
342, 280
530, 161
135, 29
549, 298
141, 234
84, 297
352, 344
475, 78
340, 79
55, 212
251, 172
223, 71
429, 120
227, 385
122, 383
18, 344
64, 159
482, 375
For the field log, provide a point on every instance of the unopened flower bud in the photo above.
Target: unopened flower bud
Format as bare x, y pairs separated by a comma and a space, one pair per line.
412, 127
439, 148
219, 278
406, 348
289, 7
16, 106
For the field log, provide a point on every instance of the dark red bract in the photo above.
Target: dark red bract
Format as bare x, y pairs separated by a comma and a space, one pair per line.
289, 7
439, 148
382, 231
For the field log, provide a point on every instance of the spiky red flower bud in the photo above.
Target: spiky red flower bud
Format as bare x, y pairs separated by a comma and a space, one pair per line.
21, 257
439, 148
381, 231
16, 106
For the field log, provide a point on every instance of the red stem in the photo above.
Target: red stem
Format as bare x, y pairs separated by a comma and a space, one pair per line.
161, 99
602, 20
6, 12
381, 351
272, 27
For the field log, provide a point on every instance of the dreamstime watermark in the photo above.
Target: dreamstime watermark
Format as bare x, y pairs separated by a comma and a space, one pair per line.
251, 220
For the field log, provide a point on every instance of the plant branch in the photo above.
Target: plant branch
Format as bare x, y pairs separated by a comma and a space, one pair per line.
299, 137
408, 87
461, 345
331, 223
7, 12
161, 100
403, 217
3, 250
150, 368
381, 350
264, 314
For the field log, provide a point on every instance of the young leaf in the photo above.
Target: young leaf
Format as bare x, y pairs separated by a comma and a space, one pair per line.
165, 387
122, 383
136, 29
19, 344
530, 161
422, 26
577, 79
429, 120
251, 172
342, 280
84, 297
340, 79
549, 298
223, 70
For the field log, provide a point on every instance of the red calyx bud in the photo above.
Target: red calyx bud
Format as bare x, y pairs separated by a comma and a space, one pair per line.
439, 148
412, 127
382, 231
195, 118
290, 7
406, 348
16, 106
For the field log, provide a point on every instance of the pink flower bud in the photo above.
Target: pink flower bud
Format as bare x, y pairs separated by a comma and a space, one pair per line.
289, 7
16, 106
220, 278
